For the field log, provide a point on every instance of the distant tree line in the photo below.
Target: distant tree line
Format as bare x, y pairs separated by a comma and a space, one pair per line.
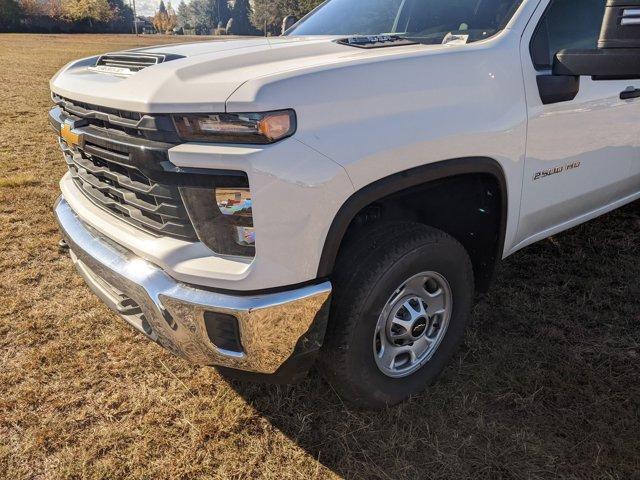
240, 17
201, 17
71, 16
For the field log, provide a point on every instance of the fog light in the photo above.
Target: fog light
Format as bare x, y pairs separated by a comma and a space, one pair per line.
236, 204
222, 219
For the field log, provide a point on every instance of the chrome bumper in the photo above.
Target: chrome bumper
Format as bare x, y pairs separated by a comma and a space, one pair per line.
273, 328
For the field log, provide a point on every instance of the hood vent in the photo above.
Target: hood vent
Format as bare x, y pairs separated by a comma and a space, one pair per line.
376, 41
125, 64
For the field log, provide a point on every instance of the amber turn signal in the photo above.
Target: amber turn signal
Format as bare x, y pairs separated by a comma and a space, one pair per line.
275, 126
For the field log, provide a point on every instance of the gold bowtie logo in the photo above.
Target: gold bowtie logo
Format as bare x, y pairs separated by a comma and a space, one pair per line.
67, 133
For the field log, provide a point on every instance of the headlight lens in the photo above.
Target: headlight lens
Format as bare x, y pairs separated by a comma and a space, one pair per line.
248, 128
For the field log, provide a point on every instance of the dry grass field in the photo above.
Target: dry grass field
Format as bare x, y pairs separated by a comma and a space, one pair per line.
547, 384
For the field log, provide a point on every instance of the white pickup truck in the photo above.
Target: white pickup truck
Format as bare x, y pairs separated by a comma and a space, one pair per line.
340, 193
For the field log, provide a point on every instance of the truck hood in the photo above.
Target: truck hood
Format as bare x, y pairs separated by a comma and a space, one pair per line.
205, 78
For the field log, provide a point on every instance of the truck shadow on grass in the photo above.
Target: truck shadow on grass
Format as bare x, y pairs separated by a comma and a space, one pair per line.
546, 385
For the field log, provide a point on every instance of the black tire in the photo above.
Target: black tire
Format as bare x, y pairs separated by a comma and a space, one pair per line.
368, 270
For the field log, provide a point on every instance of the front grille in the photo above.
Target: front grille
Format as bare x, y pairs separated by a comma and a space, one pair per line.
113, 165
158, 128
127, 193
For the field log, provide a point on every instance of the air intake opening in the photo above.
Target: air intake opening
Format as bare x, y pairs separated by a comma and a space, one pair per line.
128, 63
223, 331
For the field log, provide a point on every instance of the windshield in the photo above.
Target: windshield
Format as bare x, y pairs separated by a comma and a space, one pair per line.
426, 21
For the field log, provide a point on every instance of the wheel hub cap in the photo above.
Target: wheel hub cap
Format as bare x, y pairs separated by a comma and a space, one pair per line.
412, 324
419, 327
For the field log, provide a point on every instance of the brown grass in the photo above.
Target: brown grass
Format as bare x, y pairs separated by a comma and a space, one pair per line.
547, 384
18, 181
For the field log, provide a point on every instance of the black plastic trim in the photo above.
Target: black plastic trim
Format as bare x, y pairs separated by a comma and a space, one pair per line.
615, 32
630, 94
402, 181
539, 47
611, 64
263, 291
223, 331
556, 89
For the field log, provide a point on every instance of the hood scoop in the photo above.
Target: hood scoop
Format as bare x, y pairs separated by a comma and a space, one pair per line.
127, 63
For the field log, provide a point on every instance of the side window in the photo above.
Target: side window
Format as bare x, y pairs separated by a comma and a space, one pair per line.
566, 24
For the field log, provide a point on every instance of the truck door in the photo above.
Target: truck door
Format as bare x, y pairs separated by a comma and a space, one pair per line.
580, 152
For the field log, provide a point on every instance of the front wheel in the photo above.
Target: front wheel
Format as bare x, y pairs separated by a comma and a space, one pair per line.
402, 296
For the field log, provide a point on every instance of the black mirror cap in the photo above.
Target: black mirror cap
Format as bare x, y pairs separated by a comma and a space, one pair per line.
621, 25
611, 64
557, 88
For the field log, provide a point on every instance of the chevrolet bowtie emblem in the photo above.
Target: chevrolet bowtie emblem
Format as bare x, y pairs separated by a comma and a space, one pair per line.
66, 132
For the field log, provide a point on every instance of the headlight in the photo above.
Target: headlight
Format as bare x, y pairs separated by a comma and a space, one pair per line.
248, 128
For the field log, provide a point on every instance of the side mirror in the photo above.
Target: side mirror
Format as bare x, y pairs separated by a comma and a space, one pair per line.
616, 58
288, 22
601, 64
618, 52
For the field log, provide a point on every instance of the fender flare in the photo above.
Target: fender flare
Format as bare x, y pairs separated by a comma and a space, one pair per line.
401, 181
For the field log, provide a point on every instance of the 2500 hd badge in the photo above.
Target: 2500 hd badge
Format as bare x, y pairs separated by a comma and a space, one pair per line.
553, 171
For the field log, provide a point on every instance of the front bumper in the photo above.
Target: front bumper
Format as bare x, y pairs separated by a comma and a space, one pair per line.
274, 329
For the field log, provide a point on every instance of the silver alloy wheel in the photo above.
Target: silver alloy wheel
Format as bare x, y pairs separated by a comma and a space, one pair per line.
412, 324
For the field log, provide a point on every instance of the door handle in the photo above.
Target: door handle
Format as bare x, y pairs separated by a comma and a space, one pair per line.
630, 93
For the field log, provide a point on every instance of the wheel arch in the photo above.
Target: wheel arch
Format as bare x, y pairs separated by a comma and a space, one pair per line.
405, 180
